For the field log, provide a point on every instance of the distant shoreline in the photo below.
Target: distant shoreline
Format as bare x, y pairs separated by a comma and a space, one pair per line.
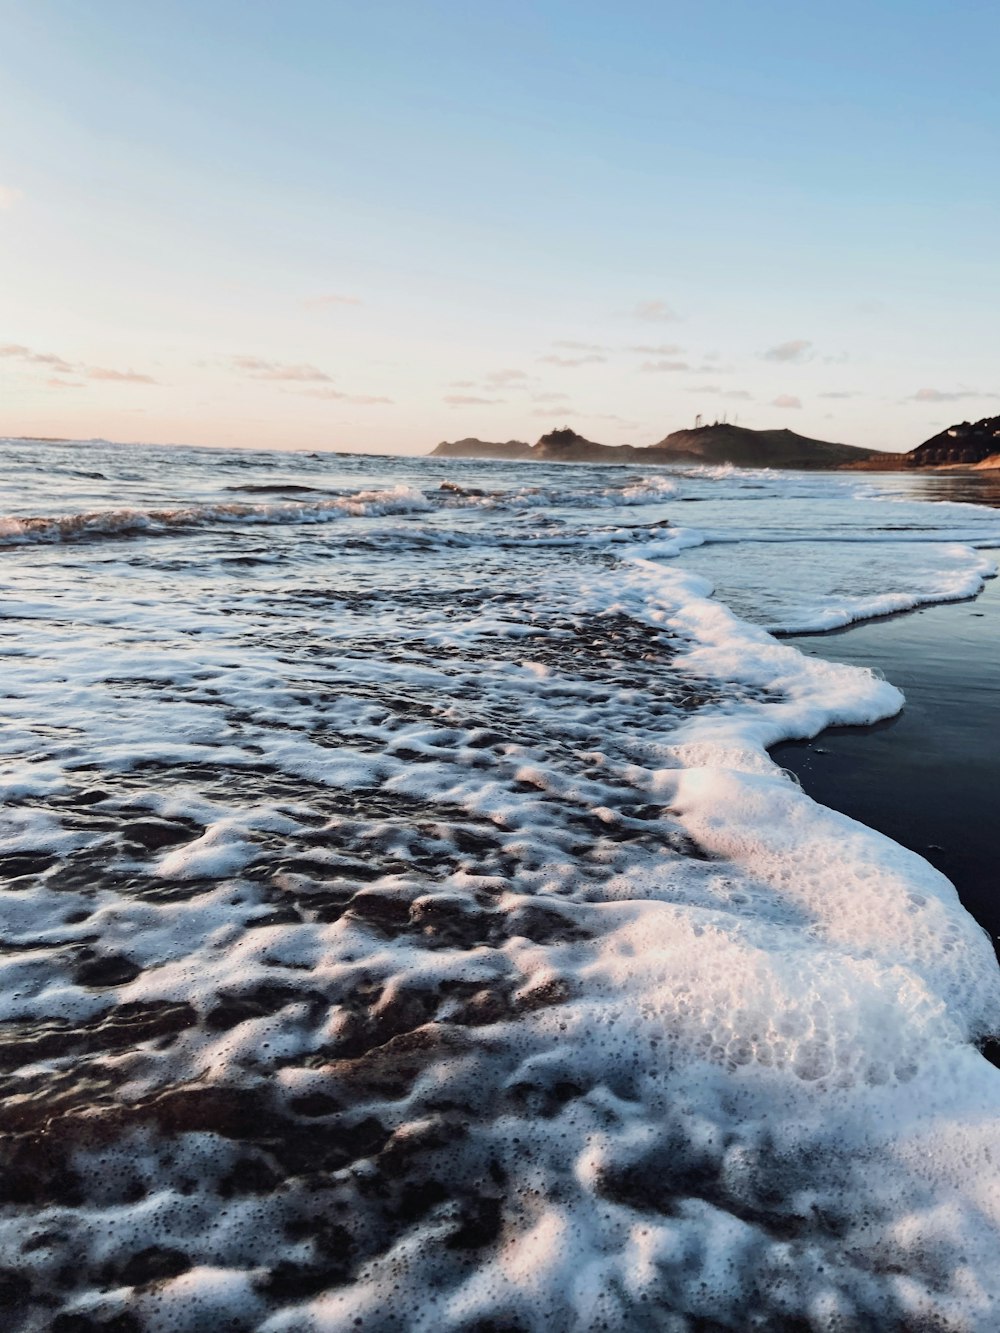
886, 461
724, 444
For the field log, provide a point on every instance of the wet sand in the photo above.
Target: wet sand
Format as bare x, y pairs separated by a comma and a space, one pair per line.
929, 778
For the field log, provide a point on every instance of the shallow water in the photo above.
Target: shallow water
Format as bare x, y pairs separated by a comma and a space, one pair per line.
404, 922
930, 776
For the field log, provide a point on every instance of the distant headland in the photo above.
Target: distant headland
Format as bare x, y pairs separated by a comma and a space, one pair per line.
722, 442
972, 443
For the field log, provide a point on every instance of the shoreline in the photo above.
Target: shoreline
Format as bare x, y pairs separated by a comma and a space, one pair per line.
928, 778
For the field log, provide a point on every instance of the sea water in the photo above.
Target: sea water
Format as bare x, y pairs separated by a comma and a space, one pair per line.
404, 926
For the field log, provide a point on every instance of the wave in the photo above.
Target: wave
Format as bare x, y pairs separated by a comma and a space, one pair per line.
116, 523
948, 586
103, 524
642, 491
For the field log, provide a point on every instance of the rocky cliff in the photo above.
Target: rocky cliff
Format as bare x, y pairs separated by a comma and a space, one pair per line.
968, 442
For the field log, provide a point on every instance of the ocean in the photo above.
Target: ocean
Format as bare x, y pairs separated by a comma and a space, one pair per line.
405, 926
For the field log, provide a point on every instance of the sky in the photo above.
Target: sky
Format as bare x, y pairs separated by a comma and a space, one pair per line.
373, 226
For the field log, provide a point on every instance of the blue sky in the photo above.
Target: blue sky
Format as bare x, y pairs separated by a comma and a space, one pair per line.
376, 226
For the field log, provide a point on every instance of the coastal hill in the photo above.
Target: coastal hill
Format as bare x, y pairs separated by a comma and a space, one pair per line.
715, 444
968, 442
566, 446
726, 443
473, 448
558, 446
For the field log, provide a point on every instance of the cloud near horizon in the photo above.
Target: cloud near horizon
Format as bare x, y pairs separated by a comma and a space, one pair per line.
256, 368
335, 395
663, 367
58, 364
499, 378
940, 396
610, 416
119, 376
786, 400
470, 400
657, 349
654, 311
739, 395
331, 299
16, 351
793, 350
589, 359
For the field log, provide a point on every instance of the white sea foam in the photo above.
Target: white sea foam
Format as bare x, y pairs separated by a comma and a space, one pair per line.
104, 523
813, 589
643, 490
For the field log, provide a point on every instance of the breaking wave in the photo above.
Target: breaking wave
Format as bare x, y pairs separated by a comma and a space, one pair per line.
117, 523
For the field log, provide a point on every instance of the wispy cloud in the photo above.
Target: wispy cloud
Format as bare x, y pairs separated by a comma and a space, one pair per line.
657, 349
611, 416
585, 354
330, 299
739, 395
31, 358
786, 400
841, 393
664, 367
469, 400
500, 378
301, 373
656, 312
587, 359
335, 395
549, 397
119, 376
51, 362
796, 349
952, 396
9, 196
258, 369
55, 383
